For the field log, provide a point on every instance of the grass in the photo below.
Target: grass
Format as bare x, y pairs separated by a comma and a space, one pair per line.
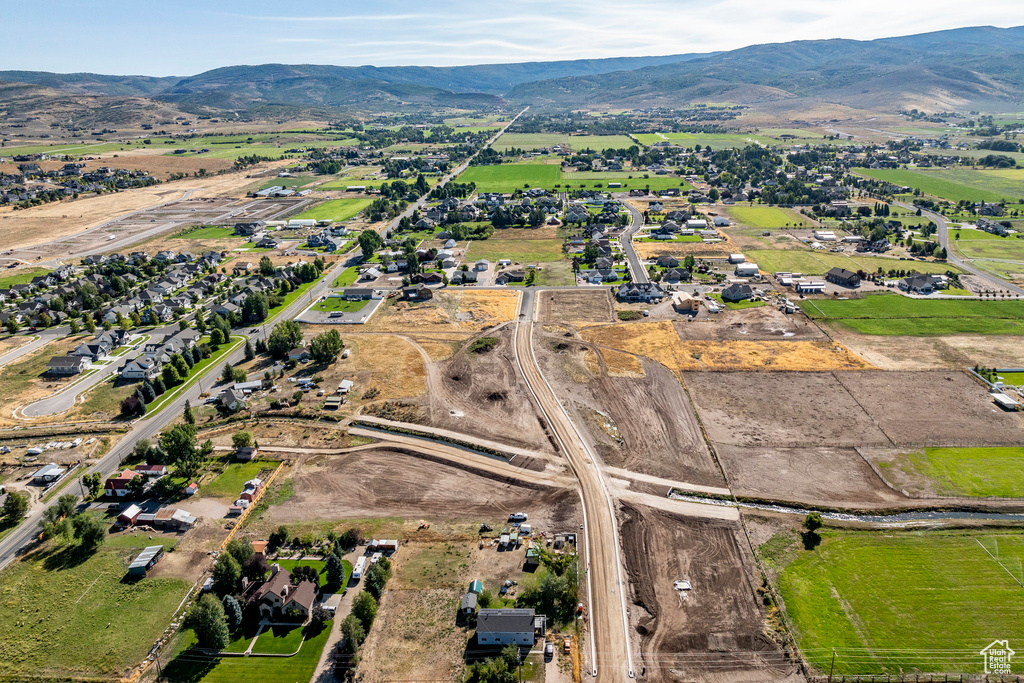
1012, 378
904, 601
891, 314
22, 277
817, 262
206, 232
508, 177
998, 248
347, 277
483, 344
532, 141
54, 601
956, 184
336, 209
229, 483
280, 640
601, 179
334, 303
677, 239
766, 217
738, 305
521, 251
997, 472
192, 667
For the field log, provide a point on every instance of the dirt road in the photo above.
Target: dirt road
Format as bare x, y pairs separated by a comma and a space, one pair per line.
609, 640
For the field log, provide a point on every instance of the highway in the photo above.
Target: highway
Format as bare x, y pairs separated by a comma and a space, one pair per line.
953, 259
611, 658
147, 427
636, 266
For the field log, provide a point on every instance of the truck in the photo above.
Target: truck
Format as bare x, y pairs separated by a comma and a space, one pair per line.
357, 571
518, 517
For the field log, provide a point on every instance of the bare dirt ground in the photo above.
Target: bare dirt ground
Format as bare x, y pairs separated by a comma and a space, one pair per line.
929, 353
463, 311
751, 324
151, 160
575, 306
714, 632
369, 483
483, 394
963, 412
785, 409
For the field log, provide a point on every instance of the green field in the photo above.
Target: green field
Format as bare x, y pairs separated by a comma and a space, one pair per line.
229, 483
891, 314
207, 232
347, 277
981, 472
532, 141
54, 601
334, 303
676, 239
818, 262
509, 177
600, 179
21, 277
956, 184
519, 251
336, 209
1012, 378
904, 601
767, 217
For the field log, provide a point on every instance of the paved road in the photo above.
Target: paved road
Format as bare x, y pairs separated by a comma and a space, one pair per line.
636, 266
22, 536
44, 338
951, 257
65, 399
609, 630
418, 204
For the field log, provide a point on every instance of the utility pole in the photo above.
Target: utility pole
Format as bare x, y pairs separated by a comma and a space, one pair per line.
833, 666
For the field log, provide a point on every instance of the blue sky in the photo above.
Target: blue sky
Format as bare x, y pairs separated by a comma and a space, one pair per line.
185, 37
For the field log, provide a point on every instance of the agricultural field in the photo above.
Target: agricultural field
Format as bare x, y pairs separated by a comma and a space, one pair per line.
628, 180
532, 141
819, 262
718, 141
509, 177
336, 209
976, 244
890, 314
520, 251
980, 472
956, 184
907, 607
767, 217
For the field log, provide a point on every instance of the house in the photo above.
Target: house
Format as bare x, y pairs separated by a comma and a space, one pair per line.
117, 485
247, 453
232, 400
67, 365
468, 605
674, 275
48, 473
225, 309
170, 518
277, 597
737, 292
298, 354
918, 284
464, 276
418, 292
151, 470
241, 268
507, 626
370, 274
843, 277
636, 292
667, 261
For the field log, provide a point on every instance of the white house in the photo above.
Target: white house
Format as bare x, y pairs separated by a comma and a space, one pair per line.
507, 626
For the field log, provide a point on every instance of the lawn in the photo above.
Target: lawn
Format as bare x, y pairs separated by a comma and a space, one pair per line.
347, 277
521, 251
206, 232
891, 314
1012, 378
509, 177
601, 179
677, 239
982, 472
336, 209
229, 483
818, 262
335, 303
21, 277
193, 667
738, 305
956, 184
766, 217
905, 601
62, 616
279, 640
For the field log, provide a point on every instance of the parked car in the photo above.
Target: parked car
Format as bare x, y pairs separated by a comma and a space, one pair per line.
549, 650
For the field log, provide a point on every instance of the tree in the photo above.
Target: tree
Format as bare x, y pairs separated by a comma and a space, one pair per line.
209, 622
189, 418
377, 577
255, 307
325, 347
147, 391
142, 449
278, 538
179, 443
284, 337
216, 337
90, 325
266, 266
232, 612
350, 538
241, 550
255, 568
813, 522
93, 483
352, 633
227, 575
170, 375
136, 486
249, 353
89, 531
74, 327
241, 439
369, 242
15, 506
364, 607
65, 506
318, 616
180, 365
335, 571
228, 375
132, 406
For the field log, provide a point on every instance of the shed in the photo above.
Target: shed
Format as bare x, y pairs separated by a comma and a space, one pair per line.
737, 258
468, 604
345, 386
191, 489
476, 586
146, 559
129, 515
46, 474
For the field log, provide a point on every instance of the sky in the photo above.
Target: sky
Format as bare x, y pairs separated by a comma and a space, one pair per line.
185, 37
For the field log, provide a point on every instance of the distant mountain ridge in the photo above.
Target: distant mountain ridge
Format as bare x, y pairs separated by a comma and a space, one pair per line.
978, 67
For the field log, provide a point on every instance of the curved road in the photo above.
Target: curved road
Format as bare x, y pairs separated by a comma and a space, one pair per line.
609, 629
636, 266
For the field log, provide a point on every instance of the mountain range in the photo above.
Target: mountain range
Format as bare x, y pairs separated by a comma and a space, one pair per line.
967, 68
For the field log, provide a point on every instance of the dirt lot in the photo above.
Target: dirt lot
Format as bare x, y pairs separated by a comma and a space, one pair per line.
649, 250
153, 161
714, 632
463, 311
751, 324
576, 306
930, 353
483, 394
375, 482
785, 409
